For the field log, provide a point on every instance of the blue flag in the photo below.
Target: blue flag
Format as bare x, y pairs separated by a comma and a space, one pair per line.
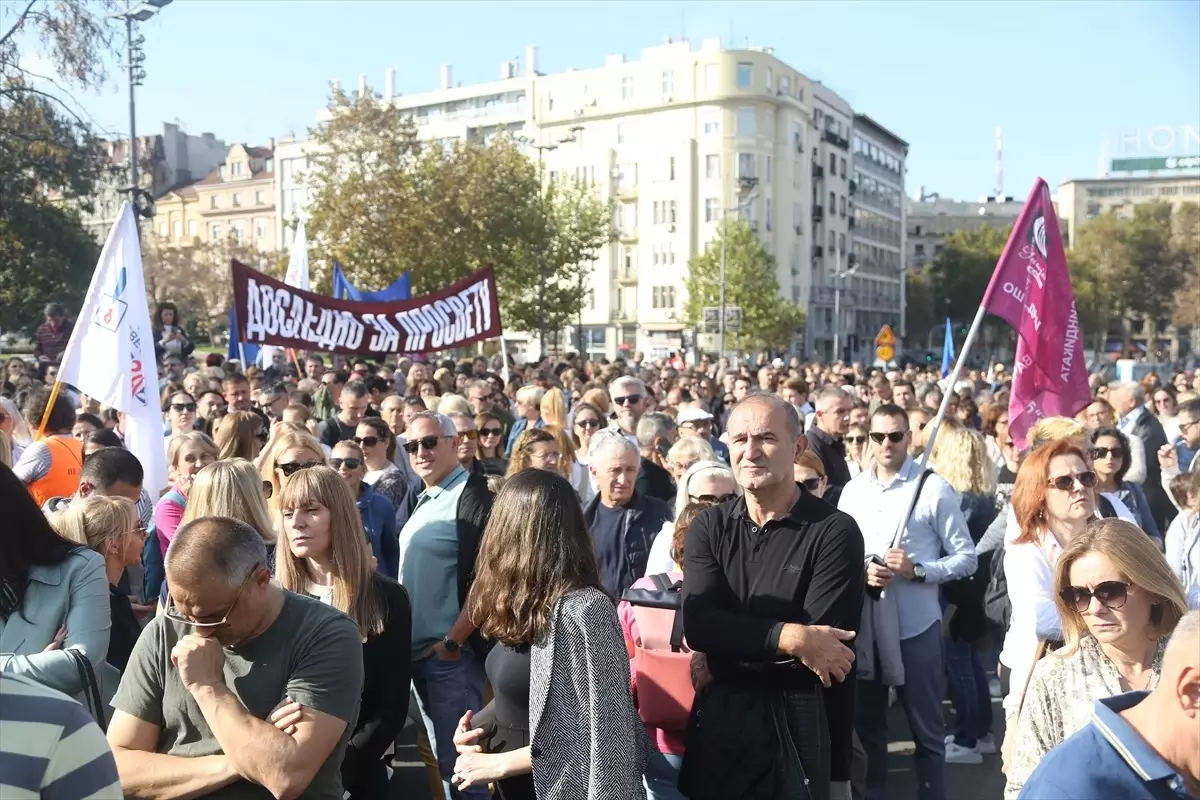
344, 290
247, 354
948, 349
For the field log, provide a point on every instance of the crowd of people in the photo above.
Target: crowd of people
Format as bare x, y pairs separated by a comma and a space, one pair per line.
594, 581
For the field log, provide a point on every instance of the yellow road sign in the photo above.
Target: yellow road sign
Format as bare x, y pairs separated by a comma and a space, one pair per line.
885, 353
885, 338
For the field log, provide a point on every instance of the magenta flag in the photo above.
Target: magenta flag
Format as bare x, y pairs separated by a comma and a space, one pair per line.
1031, 290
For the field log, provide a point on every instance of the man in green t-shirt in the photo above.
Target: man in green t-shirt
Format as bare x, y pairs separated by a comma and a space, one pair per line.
193, 714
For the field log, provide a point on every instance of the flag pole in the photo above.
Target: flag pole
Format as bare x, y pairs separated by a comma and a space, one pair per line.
941, 414
49, 407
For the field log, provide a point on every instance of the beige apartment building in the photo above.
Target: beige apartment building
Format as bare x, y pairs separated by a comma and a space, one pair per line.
1086, 198
236, 200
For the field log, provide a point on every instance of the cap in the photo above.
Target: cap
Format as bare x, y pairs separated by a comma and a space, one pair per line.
777, 363
690, 414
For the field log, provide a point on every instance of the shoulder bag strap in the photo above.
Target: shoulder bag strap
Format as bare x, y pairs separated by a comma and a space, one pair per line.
91, 688
677, 632
661, 582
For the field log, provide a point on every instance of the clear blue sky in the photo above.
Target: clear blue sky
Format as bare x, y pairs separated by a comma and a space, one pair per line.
1059, 77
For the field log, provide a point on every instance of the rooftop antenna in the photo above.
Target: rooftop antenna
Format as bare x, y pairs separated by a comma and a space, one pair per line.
999, 188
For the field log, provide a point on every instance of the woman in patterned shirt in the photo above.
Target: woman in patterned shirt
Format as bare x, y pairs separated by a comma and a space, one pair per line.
1118, 601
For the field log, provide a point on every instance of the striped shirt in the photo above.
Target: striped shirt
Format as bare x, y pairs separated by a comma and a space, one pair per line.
51, 748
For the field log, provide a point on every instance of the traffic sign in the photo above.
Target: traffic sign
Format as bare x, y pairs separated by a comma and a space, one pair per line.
885, 353
885, 338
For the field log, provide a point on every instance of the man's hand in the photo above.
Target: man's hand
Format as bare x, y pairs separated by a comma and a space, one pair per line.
200, 661
898, 562
1168, 458
442, 654
877, 575
820, 648
285, 715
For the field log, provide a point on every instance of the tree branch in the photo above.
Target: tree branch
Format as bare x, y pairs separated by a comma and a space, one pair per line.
20, 20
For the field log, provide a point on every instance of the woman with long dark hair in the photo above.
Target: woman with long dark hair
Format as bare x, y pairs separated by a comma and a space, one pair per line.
537, 593
169, 336
53, 596
1110, 460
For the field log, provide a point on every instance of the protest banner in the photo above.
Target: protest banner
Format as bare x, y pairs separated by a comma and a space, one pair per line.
271, 312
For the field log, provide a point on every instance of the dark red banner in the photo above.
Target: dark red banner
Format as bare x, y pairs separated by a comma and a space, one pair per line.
271, 312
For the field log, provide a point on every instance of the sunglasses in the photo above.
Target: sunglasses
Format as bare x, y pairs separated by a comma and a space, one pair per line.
428, 442
812, 484
183, 406
590, 424
1064, 483
292, 467
490, 431
1102, 452
366, 441
856, 439
174, 614
629, 399
894, 436
1111, 594
469, 435
715, 499
351, 463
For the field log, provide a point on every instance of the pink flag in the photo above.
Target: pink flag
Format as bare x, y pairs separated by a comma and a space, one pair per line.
1031, 290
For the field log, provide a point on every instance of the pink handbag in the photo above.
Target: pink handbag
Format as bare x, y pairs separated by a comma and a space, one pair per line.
662, 662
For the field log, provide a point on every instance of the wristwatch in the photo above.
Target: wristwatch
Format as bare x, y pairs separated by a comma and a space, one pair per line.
918, 573
453, 646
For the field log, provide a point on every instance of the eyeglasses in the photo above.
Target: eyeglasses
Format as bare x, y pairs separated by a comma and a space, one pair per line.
291, 468
590, 424
139, 532
1102, 452
366, 441
629, 399
1111, 594
174, 614
1064, 483
428, 442
469, 435
351, 463
490, 431
177, 407
856, 439
715, 499
812, 484
894, 436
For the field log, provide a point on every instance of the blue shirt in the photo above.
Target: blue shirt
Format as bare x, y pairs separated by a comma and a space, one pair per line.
429, 561
1107, 759
608, 534
519, 426
379, 523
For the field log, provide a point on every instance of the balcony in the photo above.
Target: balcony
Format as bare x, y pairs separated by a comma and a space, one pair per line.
835, 140
627, 276
620, 315
818, 213
626, 190
818, 251
627, 236
853, 186
818, 172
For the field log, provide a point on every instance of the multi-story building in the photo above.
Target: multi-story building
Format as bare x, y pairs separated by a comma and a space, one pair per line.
236, 200
668, 139
1086, 198
293, 159
164, 160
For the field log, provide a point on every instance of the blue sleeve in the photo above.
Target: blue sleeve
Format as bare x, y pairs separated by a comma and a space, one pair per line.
1143, 512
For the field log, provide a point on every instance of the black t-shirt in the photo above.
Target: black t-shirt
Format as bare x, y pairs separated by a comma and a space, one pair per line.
1006, 476
333, 430
608, 534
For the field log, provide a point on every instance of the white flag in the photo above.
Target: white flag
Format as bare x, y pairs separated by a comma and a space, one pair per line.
111, 353
297, 275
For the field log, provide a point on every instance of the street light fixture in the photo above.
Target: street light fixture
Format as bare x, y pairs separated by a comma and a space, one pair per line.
839, 276
745, 196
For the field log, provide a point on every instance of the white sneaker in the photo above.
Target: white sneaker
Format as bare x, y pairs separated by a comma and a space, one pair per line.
987, 745
957, 754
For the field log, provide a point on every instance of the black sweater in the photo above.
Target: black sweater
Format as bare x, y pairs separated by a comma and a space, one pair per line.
387, 660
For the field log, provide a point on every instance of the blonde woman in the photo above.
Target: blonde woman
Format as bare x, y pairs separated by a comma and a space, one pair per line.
5, 450
1118, 601
704, 481
240, 434
232, 489
109, 526
554, 409
537, 448
14, 425
453, 403
325, 555
291, 449
187, 454
686, 452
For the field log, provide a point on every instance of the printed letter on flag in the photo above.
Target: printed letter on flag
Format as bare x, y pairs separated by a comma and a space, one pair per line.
1031, 290
111, 353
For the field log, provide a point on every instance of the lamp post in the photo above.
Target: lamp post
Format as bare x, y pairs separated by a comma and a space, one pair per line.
745, 196
134, 58
838, 277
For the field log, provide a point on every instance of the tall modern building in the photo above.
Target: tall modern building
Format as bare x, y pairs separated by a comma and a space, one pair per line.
668, 138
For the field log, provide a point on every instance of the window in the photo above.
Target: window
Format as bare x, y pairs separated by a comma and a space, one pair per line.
260, 228
669, 208
626, 176
620, 133
549, 101
627, 88
842, 242
832, 240
832, 203
668, 83
222, 172
746, 119
832, 164
712, 166
663, 296
258, 198
656, 215
269, 165
235, 168
237, 200
216, 231
712, 209
745, 165
745, 75
770, 168
627, 258
212, 201
769, 125
938, 248
237, 232
785, 85
797, 215
712, 122
919, 250
162, 229
770, 77
842, 205
711, 76
671, 168
842, 166
629, 218
192, 228
177, 230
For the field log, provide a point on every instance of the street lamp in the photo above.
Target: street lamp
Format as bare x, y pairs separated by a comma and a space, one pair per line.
838, 277
135, 57
745, 196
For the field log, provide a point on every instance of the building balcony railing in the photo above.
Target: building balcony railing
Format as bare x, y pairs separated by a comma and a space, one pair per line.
818, 213
818, 171
835, 140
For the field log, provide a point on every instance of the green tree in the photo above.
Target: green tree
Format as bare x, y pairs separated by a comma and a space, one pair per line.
920, 313
1160, 266
961, 272
1185, 237
1103, 277
385, 203
769, 322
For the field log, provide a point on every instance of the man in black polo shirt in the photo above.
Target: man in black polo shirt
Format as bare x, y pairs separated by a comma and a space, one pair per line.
773, 589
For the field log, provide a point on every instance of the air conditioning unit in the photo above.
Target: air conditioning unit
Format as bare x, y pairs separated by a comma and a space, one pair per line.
670, 227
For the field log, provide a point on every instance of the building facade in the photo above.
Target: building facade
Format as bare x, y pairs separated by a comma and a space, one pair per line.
1079, 200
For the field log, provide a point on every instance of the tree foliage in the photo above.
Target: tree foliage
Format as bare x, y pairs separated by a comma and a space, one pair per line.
960, 273
385, 203
920, 312
769, 322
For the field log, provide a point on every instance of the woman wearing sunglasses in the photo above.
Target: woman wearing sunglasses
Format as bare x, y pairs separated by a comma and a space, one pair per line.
809, 472
110, 526
180, 409
291, 449
537, 448
858, 455
1110, 460
187, 454
377, 513
586, 419
491, 442
1118, 601
1053, 500
326, 557
240, 434
705, 481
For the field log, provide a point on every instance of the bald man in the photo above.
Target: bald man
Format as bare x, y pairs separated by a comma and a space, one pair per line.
1139, 745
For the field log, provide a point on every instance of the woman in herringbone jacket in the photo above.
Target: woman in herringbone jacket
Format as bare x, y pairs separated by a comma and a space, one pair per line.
537, 594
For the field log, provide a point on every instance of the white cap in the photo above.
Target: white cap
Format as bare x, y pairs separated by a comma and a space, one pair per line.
777, 363
690, 414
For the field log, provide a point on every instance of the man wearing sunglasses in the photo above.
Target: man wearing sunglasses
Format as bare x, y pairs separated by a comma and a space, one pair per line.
935, 547
438, 548
628, 395
194, 714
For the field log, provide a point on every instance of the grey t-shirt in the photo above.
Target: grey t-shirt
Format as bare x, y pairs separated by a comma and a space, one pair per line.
311, 653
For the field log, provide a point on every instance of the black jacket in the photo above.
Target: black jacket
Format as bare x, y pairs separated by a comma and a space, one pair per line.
832, 453
474, 508
1150, 431
387, 660
654, 481
643, 522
